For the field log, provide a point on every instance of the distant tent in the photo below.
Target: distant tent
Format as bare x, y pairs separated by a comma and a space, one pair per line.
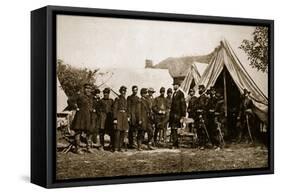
61, 98
143, 78
226, 71
191, 79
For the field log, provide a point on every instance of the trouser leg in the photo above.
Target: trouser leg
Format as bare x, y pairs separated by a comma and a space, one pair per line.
132, 136
156, 132
150, 135
101, 137
116, 139
123, 140
140, 137
175, 136
77, 141
111, 144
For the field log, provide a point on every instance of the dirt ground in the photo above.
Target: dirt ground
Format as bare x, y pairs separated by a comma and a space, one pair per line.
132, 162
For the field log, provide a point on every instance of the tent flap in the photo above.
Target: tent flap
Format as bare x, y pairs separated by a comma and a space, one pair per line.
225, 57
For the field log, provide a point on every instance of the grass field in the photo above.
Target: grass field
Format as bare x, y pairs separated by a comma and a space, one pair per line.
105, 163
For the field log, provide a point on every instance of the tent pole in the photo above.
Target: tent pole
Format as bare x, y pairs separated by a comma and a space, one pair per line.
225, 96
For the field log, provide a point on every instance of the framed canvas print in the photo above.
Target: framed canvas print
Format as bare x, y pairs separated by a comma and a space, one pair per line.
125, 96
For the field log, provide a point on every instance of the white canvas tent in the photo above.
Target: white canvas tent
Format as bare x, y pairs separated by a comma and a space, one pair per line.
225, 58
192, 77
143, 78
61, 98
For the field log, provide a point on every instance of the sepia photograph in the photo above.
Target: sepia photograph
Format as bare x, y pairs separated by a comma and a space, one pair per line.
150, 97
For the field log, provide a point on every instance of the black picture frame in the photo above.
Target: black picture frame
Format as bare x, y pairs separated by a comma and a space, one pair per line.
43, 94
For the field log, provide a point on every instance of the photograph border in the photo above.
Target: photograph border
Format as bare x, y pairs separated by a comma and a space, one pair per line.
43, 95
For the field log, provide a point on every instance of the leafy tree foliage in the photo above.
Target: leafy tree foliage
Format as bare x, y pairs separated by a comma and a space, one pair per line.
72, 79
257, 49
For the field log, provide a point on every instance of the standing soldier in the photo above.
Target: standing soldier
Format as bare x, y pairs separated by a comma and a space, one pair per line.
95, 118
211, 106
202, 104
106, 118
169, 101
82, 119
121, 120
219, 121
178, 111
150, 99
246, 116
145, 120
133, 103
160, 109
191, 109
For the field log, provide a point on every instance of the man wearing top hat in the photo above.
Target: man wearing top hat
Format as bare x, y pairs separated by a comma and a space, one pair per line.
106, 117
133, 103
178, 111
121, 120
160, 110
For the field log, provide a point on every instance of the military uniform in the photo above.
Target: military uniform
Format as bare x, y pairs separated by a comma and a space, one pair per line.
145, 121
191, 109
178, 110
95, 118
160, 109
133, 111
82, 119
210, 112
245, 113
201, 119
120, 115
106, 119
219, 123
169, 103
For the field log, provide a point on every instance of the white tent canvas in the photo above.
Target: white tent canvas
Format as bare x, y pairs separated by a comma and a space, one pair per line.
61, 98
225, 57
192, 75
143, 78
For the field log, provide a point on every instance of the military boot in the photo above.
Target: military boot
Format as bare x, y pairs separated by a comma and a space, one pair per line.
139, 145
77, 149
150, 147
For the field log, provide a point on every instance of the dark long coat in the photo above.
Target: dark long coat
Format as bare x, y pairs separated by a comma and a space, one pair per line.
160, 108
106, 114
82, 118
133, 109
95, 116
178, 109
120, 113
145, 115
191, 109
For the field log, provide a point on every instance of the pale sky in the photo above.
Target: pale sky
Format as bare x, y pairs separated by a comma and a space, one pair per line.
97, 42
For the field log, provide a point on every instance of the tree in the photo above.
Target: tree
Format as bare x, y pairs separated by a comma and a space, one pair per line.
257, 49
72, 79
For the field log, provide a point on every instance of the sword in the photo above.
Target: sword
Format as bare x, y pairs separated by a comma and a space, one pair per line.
248, 127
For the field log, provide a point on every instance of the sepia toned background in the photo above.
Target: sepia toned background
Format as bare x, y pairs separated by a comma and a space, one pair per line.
15, 58
96, 42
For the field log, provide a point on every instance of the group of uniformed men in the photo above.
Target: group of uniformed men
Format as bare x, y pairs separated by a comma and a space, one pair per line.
128, 120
